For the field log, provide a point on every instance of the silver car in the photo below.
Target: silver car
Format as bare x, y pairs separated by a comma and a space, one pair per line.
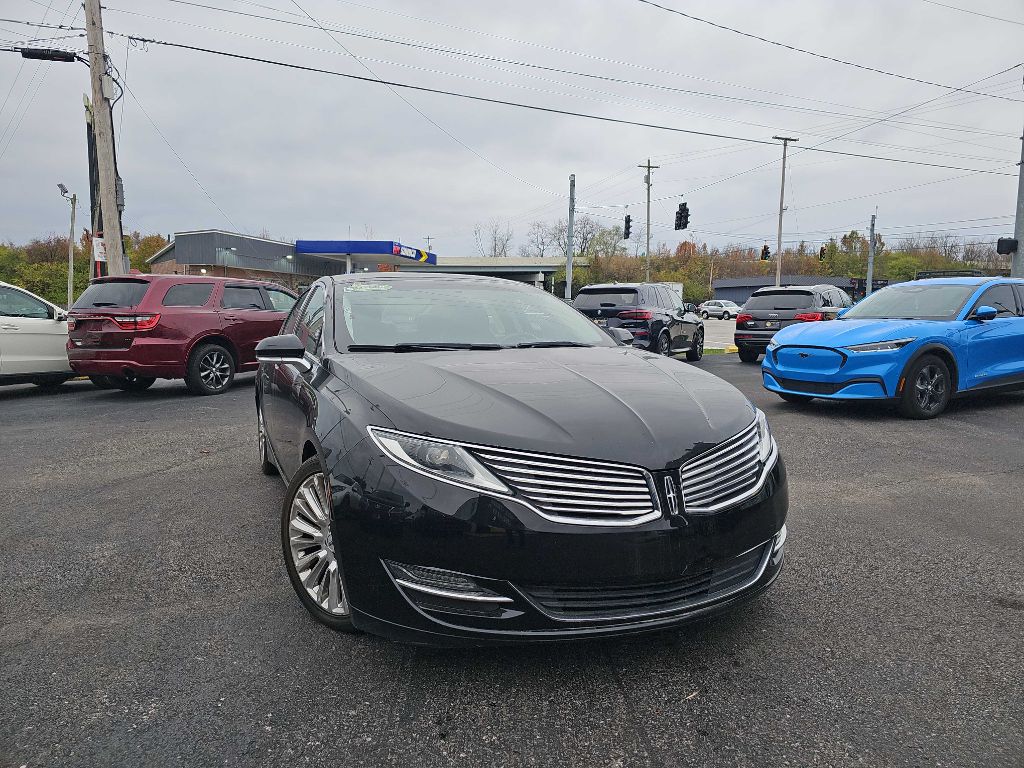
720, 308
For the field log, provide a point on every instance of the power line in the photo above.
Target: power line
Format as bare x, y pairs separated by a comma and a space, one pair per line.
179, 158
537, 107
820, 55
421, 113
453, 52
974, 13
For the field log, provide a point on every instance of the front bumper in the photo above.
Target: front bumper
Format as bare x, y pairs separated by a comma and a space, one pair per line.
560, 581
852, 375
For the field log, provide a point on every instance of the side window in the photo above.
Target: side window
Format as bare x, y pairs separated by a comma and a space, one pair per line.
311, 323
293, 317
280, 301
188, 295
242, 297
1001, 297
14, 303
826, 298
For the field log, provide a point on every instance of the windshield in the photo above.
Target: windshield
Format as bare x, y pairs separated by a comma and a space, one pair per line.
913, 302
781, 300
112, 293
399, 315
614, 297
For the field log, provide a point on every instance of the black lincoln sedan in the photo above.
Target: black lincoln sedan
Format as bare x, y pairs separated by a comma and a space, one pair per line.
470, 460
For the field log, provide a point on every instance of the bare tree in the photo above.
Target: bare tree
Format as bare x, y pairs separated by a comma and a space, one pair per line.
540, 239
496, 241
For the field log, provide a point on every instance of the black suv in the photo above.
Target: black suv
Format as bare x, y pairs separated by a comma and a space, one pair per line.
770, 309
655, 314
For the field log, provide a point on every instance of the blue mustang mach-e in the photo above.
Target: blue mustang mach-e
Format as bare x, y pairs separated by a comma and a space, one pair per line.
918, 343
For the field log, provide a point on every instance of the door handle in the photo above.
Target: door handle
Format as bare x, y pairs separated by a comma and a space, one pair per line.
8, 327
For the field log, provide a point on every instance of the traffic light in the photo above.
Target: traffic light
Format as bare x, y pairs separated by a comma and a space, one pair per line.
766, 252
625, 227
682, 216
821, 253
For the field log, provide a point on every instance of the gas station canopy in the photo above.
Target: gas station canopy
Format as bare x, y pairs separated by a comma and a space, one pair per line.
360, 254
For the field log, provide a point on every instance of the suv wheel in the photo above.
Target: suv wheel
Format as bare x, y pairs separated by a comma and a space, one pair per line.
705, 314
926, 388
726, 315
696, 350
308, 544
748, 355
267, 467
211, 369
664, 344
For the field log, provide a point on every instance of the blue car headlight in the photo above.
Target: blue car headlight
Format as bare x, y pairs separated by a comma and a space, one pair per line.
773, 343
881, 346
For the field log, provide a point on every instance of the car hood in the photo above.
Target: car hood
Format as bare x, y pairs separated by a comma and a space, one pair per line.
844, 333
599, 402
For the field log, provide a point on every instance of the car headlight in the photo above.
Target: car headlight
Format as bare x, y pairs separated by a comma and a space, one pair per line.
881, 346
764, 436
436, 458
773, 343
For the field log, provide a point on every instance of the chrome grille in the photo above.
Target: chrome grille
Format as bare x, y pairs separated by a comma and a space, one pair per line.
724, 475
572, 490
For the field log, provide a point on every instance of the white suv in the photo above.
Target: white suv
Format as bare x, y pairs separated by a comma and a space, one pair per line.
719, 308
33, 339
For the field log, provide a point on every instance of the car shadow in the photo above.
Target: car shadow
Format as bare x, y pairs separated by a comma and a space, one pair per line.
885, 410
162, 390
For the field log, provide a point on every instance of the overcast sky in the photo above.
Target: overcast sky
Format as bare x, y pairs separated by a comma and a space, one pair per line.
307, 155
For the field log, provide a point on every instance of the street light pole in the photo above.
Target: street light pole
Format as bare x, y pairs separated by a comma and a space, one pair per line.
782, 202
73, 199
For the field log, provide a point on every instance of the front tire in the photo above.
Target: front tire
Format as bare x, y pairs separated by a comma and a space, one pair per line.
748, 355
307, 542
926, 388
696, 350
211, 370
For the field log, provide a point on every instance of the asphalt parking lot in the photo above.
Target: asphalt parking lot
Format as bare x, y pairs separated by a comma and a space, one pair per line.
146, 619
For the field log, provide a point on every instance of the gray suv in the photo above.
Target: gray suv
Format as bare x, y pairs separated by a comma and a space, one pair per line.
720, 308
770, 309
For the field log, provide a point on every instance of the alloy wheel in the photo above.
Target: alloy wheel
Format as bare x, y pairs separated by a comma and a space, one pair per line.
311, 545
214, 369
664, 344
930, 388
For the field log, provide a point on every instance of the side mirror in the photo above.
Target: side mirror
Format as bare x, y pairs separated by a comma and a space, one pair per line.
283, 349
984, 312
621, 335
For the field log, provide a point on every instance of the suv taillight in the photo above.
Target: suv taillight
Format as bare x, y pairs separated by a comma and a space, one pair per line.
636, 314
136, 322
743, 319
71, 324
808, 317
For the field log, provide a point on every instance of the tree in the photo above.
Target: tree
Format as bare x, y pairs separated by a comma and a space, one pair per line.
496, 241
540, 240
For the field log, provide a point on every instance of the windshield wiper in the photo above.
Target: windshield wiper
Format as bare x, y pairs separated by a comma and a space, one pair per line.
533, 344
418, 347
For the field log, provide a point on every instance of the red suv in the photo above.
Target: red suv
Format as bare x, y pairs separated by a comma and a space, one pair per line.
128, 331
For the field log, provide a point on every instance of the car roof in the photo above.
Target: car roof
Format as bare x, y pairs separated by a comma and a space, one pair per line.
155, 278
364, 276
793, 288
965, 280
613, 286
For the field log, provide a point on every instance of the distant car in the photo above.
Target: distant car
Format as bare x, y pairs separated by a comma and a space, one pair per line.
770, 309
720, 308
918, 343
657, 316
128, 331
33, 335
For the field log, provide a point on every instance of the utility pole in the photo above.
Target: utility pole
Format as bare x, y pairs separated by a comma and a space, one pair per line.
71, 243
871, 257
782, 202
647, 231
568, 237
1017, 257
429, 238
103, 125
